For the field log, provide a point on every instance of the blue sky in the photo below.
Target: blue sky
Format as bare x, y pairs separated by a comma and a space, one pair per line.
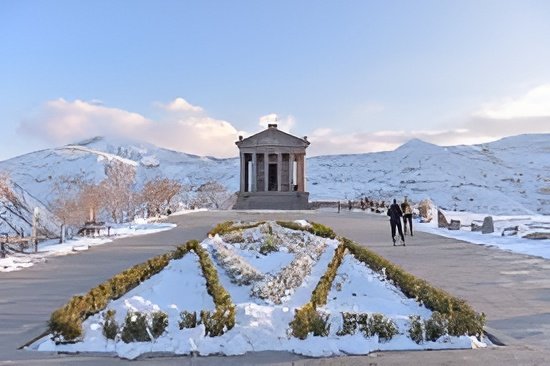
355, 76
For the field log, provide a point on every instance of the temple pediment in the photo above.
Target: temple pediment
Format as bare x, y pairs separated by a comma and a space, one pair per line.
273, 137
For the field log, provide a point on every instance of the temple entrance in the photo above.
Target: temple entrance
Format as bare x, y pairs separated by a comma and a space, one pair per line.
272, 177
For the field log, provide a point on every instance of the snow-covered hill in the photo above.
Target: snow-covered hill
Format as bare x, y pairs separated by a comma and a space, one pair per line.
509, 176
16, 214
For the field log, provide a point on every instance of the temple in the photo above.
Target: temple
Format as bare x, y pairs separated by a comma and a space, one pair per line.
273, 169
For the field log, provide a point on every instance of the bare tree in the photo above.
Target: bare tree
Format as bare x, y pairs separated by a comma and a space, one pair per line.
158, 193
211, 194
6, 193
117, 190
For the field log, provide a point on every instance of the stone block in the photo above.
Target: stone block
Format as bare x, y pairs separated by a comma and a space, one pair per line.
488, 227
454, 225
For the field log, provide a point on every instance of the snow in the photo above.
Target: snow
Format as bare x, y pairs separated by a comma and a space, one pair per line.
509, 176
527, 224
261, 325
50, 248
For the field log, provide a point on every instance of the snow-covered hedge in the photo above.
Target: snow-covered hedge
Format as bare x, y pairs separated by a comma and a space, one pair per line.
66, 322
461, 318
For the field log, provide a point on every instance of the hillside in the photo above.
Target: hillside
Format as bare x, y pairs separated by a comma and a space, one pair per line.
509, 176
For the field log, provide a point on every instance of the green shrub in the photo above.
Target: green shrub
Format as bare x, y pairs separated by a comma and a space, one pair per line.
321, 230
384, 327
221, 228
320, 293
159, 323
135, 328
319, 324
300, 326
314, 228
110, 326
268, 245
436, 326
349, 324
416, 329
223, 318
363, 324
188, 319
216, 322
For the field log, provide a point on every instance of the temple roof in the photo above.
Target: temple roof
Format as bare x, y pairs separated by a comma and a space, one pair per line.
273, 137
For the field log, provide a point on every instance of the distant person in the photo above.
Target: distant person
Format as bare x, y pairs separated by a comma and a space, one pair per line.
339, 205
362, 204
350, 205
407, 216
395, 214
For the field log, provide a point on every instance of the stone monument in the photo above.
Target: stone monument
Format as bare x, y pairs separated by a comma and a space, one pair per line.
273, 169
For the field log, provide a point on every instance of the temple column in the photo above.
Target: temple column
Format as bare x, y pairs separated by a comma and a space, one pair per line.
299, 173
243, 167
304, 161
291, 172
253, 173
266, 172
279, 171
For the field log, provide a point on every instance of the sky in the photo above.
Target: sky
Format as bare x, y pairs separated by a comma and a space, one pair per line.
353, 76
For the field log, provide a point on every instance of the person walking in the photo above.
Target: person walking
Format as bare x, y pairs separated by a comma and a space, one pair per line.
407, 216
395, 214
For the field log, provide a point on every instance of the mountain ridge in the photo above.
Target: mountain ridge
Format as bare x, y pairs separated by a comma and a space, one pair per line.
506, 176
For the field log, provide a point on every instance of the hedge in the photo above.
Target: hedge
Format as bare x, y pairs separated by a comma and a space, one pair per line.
67, 320
314, 228
462, 319
227, 227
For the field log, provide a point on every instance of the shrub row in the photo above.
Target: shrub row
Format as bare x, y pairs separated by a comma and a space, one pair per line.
66, 322
229, 226
368, 325
222, 318
307, 319
314, 228
461, 318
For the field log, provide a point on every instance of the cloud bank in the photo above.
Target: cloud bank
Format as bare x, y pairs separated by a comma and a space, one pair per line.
183, 127
188, 128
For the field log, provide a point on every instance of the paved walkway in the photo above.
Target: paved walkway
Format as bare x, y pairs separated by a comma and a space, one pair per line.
512, 289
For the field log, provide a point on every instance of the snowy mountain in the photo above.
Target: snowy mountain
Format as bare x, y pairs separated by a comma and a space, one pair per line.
509, 176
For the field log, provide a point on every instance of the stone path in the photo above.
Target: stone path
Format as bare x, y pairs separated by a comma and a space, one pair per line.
512, 289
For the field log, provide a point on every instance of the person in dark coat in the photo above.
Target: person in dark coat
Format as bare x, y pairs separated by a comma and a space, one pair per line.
395, 214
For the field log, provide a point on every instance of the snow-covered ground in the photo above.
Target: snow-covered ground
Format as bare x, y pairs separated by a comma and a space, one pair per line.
517, 243
50, 248
261, 324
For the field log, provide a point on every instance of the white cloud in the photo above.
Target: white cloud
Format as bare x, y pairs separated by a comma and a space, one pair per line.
535, 103
180, 105
62, 122
283, 123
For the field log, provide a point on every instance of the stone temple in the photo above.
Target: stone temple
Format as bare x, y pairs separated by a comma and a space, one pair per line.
273, 168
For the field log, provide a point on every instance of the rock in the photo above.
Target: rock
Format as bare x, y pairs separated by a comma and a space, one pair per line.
454, 225
538, 236
510, 231
488, 226
475, 227
441, 220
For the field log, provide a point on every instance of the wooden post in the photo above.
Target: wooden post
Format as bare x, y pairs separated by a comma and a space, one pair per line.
33, 232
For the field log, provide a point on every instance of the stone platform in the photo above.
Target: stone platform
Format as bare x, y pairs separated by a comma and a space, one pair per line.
272, 201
